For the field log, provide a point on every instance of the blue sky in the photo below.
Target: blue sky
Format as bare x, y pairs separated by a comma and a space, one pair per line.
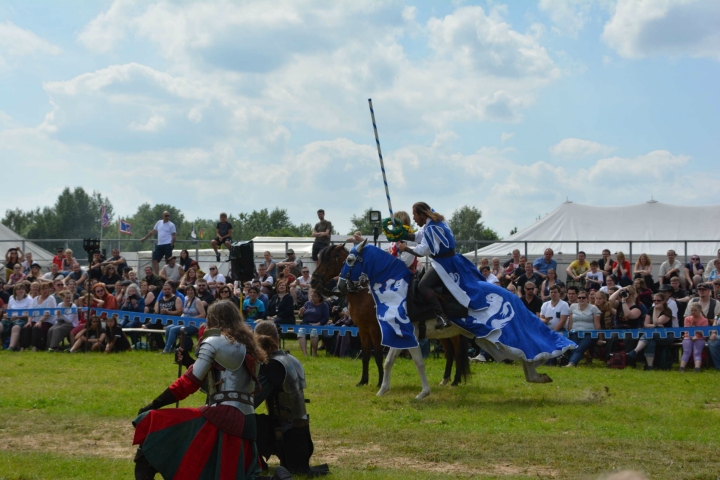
510, 107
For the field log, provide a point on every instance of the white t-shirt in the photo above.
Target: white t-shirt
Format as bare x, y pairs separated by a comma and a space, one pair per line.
492, 279
301, 281
23, 304
164, 231
554, 313
219, 278
583, 319
69, 317
48, 303
596, 277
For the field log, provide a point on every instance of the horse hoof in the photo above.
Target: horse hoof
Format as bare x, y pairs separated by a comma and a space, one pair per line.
444, 382
422, 395
382, 392
361, 384
454, 384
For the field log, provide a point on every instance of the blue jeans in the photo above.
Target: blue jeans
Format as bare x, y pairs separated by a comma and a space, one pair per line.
583, 345
172, 333
714, 347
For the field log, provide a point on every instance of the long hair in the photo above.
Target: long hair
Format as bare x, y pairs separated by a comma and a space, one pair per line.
403, 217
226, 316
267, 336
424, 208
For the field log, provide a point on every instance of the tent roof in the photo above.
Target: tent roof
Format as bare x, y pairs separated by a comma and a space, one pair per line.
10, 239
613, 227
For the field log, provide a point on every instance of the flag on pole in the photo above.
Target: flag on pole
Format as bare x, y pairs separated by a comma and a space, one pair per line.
125, 227
105, 222
193, 234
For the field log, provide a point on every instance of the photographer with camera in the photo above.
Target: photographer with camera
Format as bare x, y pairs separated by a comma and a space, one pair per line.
628, 315
133, 302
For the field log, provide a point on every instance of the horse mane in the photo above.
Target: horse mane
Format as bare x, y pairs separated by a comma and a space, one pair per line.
324, 254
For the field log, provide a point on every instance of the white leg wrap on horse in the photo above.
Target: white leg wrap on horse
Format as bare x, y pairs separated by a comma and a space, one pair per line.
416, 355
389, 362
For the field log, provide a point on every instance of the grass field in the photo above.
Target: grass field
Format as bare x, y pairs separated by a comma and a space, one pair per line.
68, 416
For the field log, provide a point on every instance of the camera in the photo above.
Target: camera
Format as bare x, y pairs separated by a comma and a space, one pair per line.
624, 294
132, 297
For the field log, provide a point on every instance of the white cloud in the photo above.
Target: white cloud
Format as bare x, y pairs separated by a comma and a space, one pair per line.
568, 16
644, 28
153, 124
106, 30
19, 42
577, 148
505, 136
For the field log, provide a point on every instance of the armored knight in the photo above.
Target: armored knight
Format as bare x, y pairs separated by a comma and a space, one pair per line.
285, 430
199, 443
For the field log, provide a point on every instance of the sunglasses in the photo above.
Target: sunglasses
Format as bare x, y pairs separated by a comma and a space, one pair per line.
213, 268
581, 298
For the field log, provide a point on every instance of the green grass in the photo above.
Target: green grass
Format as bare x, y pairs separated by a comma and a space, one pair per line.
68, 416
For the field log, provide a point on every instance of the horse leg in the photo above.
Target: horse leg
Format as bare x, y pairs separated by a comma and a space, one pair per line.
366, 343
462, 362
376, 336
416, 355
389, 361
532, 376
448, 350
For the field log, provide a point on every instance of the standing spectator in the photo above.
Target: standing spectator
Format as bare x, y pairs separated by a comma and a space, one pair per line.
110, 278
119, 262
605, 263
550, 280
530, 275
300, 288
65, 321
154, 282
542, 264
531, 301
643, 269
79, 276
554, 312
672, 268
270, 264
266, 281
576, 271
253, 308
40, 324
694, 345
171, 271
68, 261
314, 313
167, 233
594, 277
14, 325
583, 317
621, 269
214, 279
223, 235
293, 262
280, 309
27, 263
694, 272
321, 232
204, 292
485, 271
185, 259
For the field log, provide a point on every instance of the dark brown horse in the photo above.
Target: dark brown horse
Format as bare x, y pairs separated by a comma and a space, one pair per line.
362, 310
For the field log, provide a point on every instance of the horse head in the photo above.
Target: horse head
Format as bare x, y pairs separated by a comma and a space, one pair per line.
349, 276
329, 264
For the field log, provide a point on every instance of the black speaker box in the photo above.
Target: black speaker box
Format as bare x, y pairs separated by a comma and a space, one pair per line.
242, 261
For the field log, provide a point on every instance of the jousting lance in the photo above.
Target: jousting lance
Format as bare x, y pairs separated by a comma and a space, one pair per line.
382, 164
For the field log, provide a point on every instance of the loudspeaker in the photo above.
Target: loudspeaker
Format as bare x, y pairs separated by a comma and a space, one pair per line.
242, 261
90, 245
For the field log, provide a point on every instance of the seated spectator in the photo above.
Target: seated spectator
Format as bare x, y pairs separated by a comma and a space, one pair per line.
607, 313
78, 275
225, 293
34, 289
115, 339
185, 260
659, 317
498, 271
171, 271
672, 268
714, 273
91, 335
36, 331
65, 322
483, 262
155, 283
270, 265
680, 295
214, 279
542, 264
34, 274
554, 312
610, 282
280, 309
189, 278
193, 308
605, 263
314, 313
253, 308
266, 281
531, 301
694, 272
118, 261
511, 288
583, 317
103, 298
293, 262
13, 257
716, 288
110, 278
120, 287
485, 271
132, 276
594, 278
643, 269
223, 235
695, 344
133, 301
530, 275
68, 261
285, 276
628, 315
576, 271
96, 269
58, 258
520, 269
168, 304
204, 293
621, 269
147, 296
714, 343
550, 280
710, 306
666, 290
300, 288
16, 277
511, 265
14, 325
27, 263
53, 273
571, 295
645, 295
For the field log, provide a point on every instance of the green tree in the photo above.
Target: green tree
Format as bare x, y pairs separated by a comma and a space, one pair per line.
514, 231
466, 225
362, 223
264, 223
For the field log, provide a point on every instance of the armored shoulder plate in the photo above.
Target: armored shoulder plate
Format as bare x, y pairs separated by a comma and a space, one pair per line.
294, 372
229, 354
290, 403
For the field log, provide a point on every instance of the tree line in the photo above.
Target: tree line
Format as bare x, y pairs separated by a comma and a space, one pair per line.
77, 214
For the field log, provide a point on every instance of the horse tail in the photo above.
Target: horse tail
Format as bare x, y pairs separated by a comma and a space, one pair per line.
462, 359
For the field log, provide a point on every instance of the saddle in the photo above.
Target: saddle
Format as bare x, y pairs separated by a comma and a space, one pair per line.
420, 311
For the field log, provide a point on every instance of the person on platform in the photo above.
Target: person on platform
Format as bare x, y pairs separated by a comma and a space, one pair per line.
284, 431
217, 440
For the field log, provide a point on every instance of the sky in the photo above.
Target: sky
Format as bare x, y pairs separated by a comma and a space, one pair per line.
510, 107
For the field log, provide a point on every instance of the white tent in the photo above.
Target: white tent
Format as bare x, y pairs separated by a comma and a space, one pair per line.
9, 239
572, 227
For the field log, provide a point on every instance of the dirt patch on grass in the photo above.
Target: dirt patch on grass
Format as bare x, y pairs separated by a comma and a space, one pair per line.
375, 456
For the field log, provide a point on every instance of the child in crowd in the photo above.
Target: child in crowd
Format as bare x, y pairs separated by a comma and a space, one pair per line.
115, 339
594, 277
90, 335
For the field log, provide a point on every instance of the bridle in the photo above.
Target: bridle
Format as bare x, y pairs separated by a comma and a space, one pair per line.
326, 292
345, 285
